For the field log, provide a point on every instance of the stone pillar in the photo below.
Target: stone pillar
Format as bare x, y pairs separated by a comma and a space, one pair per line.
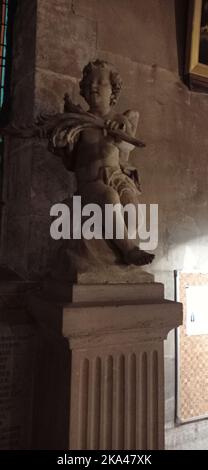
116, 335
45, 65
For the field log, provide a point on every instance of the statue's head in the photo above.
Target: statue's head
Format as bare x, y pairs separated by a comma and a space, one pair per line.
100, 74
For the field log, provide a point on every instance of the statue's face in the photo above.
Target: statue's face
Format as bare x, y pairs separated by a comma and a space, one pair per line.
99, 91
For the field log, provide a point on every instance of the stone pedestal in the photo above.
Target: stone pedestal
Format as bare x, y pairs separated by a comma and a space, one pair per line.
116, 335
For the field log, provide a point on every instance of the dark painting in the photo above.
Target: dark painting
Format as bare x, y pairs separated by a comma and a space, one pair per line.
203, 47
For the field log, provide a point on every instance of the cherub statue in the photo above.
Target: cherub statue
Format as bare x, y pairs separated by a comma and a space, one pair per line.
96, 145
98, 155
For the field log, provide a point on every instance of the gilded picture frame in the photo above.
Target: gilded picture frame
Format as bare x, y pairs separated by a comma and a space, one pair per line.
197, 46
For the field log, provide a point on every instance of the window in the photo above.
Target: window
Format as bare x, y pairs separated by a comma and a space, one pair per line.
3, 48
7, 10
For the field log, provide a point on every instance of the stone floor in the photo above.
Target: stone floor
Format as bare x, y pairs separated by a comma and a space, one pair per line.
190, 436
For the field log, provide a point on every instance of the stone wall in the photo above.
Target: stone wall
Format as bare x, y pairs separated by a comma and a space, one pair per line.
146, 41
54, 41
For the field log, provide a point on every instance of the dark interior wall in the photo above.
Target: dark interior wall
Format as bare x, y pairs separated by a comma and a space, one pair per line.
18, 153
145, 40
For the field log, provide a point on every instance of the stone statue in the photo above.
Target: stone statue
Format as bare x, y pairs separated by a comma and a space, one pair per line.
99, 156
96, 145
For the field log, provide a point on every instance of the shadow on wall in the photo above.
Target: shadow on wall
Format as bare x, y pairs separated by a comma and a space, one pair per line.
181, 21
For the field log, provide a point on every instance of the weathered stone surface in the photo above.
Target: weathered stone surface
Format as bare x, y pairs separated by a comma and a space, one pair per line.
18, 170
40, 244
173, 119
50, 182
140, 38
74, 36
23, 101
110, 333
141, 31
145, 291
191, 436
17, 351
50, 89
24, 43
16, 242
115, 274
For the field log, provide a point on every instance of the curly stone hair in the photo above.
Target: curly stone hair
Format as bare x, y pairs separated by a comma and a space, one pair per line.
115, 78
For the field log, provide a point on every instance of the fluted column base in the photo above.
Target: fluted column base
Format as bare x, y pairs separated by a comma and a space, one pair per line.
117, 365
